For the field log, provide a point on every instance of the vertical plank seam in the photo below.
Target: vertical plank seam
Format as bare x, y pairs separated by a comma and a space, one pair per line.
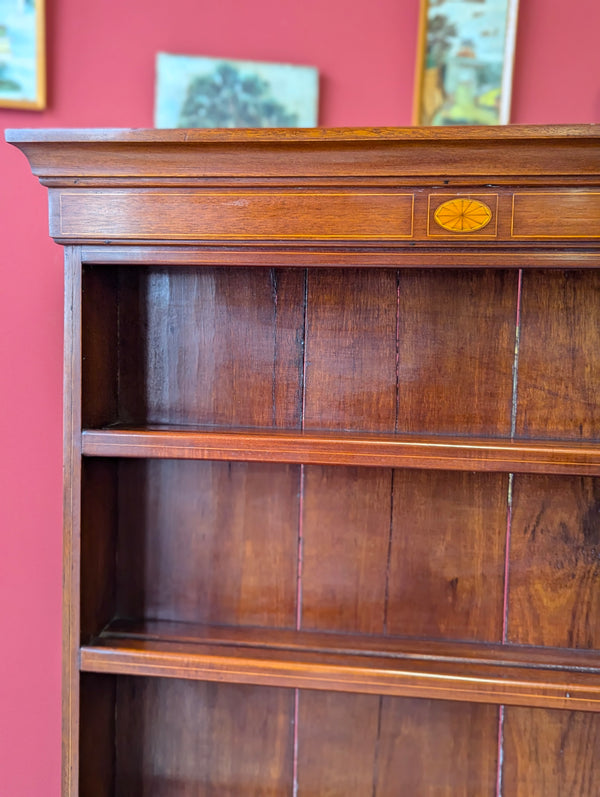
513, 426
500, 755
389, 555
302, 470
304, 347
273, 277
295, 750
515, 369
300, 551
377, 746
500, 764
509, 504
300, 538
391, 528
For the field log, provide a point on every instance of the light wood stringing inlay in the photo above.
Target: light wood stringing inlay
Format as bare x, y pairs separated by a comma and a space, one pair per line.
573, 214
243, 215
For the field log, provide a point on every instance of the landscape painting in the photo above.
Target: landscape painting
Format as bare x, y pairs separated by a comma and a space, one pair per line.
193, 91
22, 54
465, 61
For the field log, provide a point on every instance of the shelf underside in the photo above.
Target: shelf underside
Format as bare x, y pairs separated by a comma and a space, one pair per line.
329, 448
482, 673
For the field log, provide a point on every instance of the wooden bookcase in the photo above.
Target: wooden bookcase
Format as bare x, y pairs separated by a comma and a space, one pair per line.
332, 448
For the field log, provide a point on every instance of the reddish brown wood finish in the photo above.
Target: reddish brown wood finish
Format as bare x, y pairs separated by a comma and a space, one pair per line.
421, 741
550, 753
197, 340
560, 338
446, 570
555, 562
483, 675
334, 730
351, 375
448, 369
208, 542
190, 738
346, 531
99, 522
344, 448
315, 441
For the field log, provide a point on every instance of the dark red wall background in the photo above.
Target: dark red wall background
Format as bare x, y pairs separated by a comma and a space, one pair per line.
101, 74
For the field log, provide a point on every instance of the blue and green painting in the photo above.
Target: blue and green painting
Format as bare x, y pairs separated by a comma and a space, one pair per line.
193, 91
18, 50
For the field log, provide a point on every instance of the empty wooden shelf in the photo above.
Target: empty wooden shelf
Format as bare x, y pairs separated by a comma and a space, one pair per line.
332, 460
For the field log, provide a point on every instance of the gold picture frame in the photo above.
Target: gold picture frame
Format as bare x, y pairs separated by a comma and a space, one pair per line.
22, 54
465, 60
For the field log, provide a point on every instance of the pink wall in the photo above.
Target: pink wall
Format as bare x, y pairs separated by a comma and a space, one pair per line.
101, 64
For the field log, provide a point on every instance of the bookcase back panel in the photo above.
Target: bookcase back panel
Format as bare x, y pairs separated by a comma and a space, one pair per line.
550, 753
446, 567
182, 737
346, 536
456, 336
555, 562
404, 552
195, 739
221, 548
376, 555
396, 745
361, 349
420, 351
376, 551
351, 350
206, 346
175, 737
559, 356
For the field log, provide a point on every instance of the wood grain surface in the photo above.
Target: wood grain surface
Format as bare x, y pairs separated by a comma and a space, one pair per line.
550, 753
346, 532
212, 346
100, 310
553, 594
97, 774
446, 570
337, 744
191, 738
422, 741
99, 524
344, 448
226, 553
455, 351
559, 367
351, 350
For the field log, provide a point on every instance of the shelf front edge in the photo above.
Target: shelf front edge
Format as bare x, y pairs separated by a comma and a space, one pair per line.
455, 682
347, 449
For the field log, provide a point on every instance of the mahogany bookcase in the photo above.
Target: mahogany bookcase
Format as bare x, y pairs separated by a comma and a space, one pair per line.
332, 448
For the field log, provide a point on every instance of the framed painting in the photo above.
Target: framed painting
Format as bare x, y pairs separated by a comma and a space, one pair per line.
22, 54
193, 91
465, 62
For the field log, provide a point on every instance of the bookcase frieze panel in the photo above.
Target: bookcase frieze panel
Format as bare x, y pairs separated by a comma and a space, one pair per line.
331, 216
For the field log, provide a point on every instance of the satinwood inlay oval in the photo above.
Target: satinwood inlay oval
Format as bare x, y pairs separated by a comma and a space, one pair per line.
463, 215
